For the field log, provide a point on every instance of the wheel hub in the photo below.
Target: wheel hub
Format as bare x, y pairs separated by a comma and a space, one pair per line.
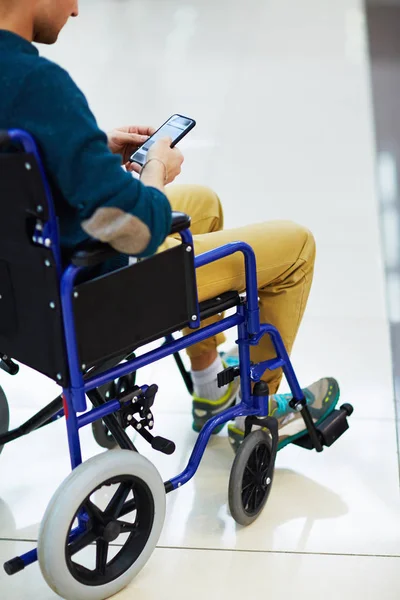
111, 531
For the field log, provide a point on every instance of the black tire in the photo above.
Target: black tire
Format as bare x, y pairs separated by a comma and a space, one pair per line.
4, 415
251, 477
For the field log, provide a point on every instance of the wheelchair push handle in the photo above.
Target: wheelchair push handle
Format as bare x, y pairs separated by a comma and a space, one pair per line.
93, 252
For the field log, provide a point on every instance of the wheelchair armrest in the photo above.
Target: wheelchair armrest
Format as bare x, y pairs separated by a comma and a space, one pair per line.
93, 252
180, 221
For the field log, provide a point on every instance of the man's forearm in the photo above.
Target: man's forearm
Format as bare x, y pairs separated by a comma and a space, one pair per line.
153, 175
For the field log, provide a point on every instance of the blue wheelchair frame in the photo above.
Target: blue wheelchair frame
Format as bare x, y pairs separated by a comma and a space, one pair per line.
250, 331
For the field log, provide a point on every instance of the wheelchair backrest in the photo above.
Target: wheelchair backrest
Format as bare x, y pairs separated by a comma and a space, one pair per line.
112, 314
31, 328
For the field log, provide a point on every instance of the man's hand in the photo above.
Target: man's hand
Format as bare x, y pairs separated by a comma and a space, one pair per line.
126, 140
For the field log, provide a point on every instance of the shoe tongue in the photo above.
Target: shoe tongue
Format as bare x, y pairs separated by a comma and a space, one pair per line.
279, 405
309, 396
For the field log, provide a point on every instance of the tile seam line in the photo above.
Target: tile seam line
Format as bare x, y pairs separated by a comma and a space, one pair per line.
245, 551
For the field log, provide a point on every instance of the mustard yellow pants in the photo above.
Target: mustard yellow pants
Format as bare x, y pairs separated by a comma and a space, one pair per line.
285, 254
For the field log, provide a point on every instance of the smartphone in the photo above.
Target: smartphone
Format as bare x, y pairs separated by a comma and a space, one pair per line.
176, 128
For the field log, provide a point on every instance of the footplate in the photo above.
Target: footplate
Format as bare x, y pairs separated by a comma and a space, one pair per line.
330, 429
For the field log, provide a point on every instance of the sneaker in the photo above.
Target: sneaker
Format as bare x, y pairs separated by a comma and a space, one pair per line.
204, 409
322, 398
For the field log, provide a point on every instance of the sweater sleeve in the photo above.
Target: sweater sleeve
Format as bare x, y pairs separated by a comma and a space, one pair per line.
75, 152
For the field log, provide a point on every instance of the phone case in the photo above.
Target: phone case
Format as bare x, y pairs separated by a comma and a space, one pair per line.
178, 139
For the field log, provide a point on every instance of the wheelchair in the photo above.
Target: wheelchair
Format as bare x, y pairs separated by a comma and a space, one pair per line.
50, 322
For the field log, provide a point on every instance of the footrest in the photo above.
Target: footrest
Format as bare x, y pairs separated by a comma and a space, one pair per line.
163, 445
330, 429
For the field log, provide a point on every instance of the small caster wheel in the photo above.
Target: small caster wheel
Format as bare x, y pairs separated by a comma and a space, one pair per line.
251, 477
347, 408
94, 539
103, 435
4, 415
125, 383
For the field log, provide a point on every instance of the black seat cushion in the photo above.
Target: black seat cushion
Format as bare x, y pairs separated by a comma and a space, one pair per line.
217, 305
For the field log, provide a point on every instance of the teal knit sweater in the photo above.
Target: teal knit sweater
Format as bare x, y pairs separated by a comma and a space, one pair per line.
39, 97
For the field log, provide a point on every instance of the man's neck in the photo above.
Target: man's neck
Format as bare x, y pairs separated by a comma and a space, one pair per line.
21, 26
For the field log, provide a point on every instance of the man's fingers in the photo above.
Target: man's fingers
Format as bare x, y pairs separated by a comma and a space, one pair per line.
136, 139
146, 130
133, 167
129, 139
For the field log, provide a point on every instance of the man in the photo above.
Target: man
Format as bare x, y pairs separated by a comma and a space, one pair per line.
95, 197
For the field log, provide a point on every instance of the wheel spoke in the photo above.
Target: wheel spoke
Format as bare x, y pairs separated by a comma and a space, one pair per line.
264, 457
247, 486
256, 502
83, 571
253, 462
94, 512
101, 556
246, 495
249, 497
81, 542
257, 457
128, 527
249, 470
117, 502
250, 504
264, 472
128, 507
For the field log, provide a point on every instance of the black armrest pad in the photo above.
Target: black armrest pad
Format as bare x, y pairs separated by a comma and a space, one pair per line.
180, 221
92, 253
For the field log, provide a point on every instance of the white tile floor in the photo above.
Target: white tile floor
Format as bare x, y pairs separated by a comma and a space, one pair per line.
280, 90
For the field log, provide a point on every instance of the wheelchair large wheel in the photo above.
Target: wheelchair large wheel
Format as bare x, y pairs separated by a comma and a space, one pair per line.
4, 414
251, 477
120, 497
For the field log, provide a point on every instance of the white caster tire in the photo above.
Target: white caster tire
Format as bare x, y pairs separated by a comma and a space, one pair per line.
134, 511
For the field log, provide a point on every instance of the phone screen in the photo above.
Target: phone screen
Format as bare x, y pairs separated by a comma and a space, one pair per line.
176, 128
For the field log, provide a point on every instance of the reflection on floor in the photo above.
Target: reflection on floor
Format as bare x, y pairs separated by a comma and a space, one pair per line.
384, 37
